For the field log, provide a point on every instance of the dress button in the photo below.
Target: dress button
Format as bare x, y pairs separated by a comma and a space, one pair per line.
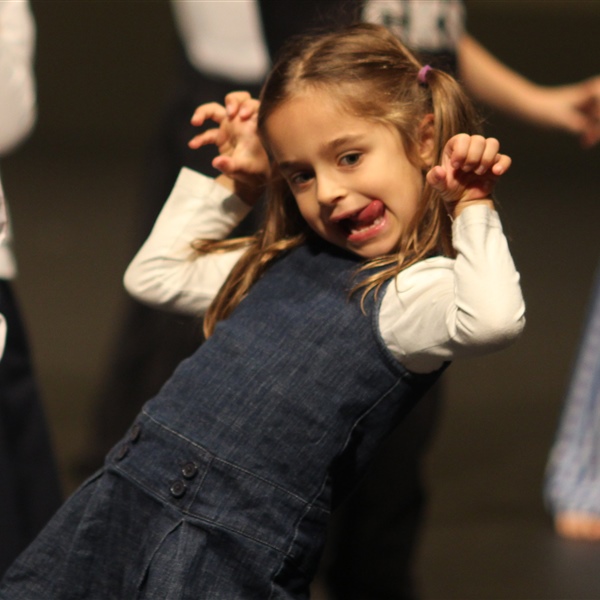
136, 431
177, 489
189, 470
122, 452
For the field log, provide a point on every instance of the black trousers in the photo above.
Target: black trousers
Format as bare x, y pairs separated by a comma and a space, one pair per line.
29, 484
375, 533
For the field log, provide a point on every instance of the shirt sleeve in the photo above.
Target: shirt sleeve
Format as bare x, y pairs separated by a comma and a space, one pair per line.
2, 335
441, 308
224, 39
17, 85
3, 217
167, 272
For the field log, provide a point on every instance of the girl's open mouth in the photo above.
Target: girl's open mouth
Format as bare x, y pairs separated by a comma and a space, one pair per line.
366, 223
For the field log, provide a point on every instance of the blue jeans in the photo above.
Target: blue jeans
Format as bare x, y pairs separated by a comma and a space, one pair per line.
573, 474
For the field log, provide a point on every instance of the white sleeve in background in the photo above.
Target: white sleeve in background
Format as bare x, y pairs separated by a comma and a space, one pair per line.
17, 85
3, 219
441, 308
167, 272
223, 38
2, 335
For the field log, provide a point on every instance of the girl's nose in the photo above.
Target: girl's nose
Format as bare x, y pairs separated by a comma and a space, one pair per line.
329, 190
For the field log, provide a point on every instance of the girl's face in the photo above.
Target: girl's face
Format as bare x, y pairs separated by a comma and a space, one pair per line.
351, 177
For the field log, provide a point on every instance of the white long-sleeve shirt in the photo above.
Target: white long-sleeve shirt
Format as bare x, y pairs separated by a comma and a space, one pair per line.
17, 86
435, 311
17, 100
17, 107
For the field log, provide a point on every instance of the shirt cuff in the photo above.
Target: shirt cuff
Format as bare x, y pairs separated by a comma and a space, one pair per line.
229, 205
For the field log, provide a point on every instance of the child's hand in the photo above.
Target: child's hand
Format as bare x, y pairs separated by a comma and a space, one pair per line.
242, 158
470, 167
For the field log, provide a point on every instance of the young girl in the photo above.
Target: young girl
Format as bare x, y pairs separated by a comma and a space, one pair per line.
373, 270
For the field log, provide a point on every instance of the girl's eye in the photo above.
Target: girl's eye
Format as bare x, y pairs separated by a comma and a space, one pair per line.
300, 178
349, 160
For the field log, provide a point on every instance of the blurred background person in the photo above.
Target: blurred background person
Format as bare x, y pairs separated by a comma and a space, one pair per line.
29, 485
572, 487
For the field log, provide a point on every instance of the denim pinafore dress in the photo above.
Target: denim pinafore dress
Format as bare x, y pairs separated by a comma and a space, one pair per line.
223, 486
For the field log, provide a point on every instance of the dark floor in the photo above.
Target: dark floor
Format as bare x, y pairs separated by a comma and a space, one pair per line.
488, 536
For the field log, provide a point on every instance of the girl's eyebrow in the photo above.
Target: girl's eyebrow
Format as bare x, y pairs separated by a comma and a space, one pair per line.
290, 165
331, 146
351, 138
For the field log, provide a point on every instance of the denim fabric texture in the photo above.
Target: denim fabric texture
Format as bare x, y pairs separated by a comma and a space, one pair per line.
573, 473
223, 487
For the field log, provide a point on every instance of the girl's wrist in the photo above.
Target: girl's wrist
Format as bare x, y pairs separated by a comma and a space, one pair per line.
248, 193
455, 210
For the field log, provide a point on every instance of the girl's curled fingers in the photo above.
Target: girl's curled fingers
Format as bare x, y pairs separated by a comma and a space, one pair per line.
234, 100
212, 110
456, 149
249, 109
210, 136
436, 178
475, 151
489, 155
501, 165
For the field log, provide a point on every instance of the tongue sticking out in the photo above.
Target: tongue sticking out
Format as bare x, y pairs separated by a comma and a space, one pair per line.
371, 212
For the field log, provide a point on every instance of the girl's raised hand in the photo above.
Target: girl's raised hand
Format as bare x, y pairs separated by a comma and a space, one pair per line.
242, 158
469, 169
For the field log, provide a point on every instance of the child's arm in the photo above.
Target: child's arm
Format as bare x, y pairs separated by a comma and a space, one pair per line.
441, 308
167, 272
574, 108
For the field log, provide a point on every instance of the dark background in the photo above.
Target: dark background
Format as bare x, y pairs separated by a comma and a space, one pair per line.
104, 72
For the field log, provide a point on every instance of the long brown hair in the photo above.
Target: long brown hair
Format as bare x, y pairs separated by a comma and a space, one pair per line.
374, 76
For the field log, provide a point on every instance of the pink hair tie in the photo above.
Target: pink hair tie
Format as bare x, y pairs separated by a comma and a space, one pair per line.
422, 76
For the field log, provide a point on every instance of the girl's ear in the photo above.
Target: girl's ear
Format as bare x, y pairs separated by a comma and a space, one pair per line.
426, 140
